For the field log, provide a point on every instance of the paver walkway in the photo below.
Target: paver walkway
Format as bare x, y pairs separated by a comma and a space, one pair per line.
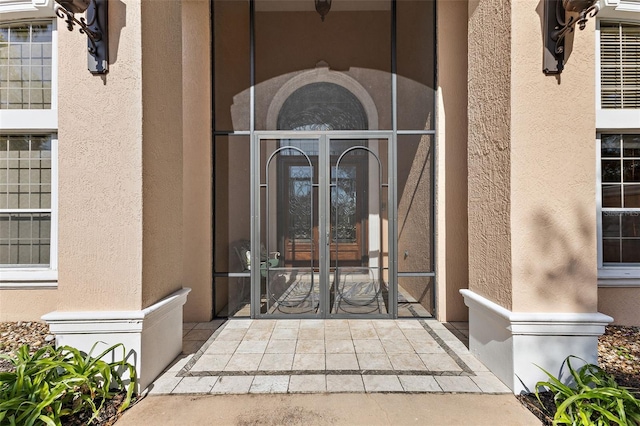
316, 356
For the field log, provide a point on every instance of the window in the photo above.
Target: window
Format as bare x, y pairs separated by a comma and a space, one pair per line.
619, 65
28, 153
25, 65
618, 124
620, 175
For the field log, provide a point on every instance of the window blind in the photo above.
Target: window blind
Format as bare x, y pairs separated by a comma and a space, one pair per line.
620, 65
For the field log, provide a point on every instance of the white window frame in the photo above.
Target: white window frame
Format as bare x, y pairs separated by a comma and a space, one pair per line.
28, 122
613, 121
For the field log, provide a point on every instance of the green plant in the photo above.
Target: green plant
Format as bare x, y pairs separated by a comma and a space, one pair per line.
594, 399
53, 383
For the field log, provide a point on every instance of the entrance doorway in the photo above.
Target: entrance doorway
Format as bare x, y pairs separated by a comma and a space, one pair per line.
320, 229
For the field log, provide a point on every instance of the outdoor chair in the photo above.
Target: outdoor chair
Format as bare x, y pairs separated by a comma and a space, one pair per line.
267, 259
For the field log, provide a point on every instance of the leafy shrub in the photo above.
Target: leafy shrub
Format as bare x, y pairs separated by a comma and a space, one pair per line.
594, 399
53, 383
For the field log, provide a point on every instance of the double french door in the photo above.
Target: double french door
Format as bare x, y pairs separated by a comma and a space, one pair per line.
321, 231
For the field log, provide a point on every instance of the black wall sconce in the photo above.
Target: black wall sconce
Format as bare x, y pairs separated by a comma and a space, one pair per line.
557, 26
95, 27
323, 7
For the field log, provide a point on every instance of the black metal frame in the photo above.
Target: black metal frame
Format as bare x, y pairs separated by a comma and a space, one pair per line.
95, 27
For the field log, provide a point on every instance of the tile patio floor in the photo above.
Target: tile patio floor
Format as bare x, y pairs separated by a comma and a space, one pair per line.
242, 356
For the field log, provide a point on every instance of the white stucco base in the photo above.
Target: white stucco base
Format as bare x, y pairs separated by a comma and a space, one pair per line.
511, 344
152, 336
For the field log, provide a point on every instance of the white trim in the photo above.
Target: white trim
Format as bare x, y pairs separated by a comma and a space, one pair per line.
509, 343
26, 9
152, 336
616, 120
35, 285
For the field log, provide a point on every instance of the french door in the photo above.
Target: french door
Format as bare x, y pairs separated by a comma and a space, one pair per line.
320, 225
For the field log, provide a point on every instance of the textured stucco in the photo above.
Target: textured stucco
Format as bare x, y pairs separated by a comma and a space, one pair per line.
100, 169
453, 273
621, 304
532, 240
489, 162
162, 149
552, 171
26, 305
196, 92
120, 156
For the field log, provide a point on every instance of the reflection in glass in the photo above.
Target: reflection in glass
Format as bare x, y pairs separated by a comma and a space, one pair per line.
611, 196
611, 171
610, 145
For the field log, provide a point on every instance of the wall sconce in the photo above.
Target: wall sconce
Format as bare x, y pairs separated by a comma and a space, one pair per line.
95, 27
556, 27
323, 7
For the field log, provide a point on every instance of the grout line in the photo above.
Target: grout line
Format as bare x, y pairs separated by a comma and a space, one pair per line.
447, 349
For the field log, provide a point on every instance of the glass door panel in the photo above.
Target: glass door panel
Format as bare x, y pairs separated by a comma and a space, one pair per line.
358, 221
320, 230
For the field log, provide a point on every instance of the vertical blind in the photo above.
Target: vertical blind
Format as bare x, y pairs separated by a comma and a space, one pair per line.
620, 65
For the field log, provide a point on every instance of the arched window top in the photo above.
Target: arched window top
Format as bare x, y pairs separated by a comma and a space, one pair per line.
322, 106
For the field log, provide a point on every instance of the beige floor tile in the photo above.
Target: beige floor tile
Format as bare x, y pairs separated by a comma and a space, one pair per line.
406, 362
342, 362
344, 383
472, 362
359, 323
164, 384
211, 325
191, 346
287, 323
409, 324
368, 346
315, 362
363, 333
487, 382
337, 333
374, 361
281, 346
234, 334
198, 334
270, 384
232, 385
244, 362
195, 384
179, 363
312, 323
276, 362
390, 333
188, 325
307, 384
222, 347
311, 334
215, 362
384, 324
263, 324
417, 335
284, 333
457, 384
258, 334
426, 346
310, 347
336, 324
439, 362
382, 383
238, 324
397, 346
339, 346
419, 384
252, 347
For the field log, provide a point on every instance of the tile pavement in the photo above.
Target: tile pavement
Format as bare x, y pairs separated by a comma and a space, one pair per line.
243, 356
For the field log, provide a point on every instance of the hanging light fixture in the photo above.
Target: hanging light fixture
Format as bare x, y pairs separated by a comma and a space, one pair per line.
94, 27
557, 25
323, 7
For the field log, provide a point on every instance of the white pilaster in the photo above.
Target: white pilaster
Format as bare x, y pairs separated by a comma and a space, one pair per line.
511, 344
152, 336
